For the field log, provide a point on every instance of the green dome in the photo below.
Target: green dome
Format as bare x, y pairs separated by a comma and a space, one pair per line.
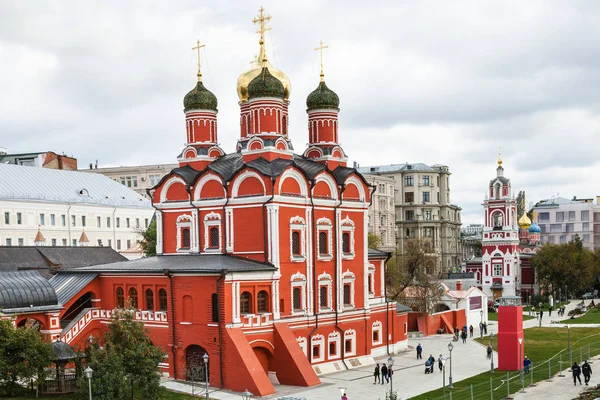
322, 97
265, 85
200, 98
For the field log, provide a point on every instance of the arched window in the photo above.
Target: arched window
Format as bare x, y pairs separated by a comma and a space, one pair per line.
245, 305
262, 298
346, 242
162, 300
347, 300
149, 299
120, 298
322, 242
296, 251
133, 298
297, 295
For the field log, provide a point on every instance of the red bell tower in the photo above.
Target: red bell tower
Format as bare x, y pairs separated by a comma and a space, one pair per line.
200, 107
323, 106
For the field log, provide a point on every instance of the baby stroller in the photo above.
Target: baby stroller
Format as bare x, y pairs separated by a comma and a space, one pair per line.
428, 367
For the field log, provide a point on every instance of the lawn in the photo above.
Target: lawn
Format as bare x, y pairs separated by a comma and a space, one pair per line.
540, 344
590, 317
494, 317
546, 305
28, 394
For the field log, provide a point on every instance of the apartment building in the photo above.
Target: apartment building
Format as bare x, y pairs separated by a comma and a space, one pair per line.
138, 177
424, 211
382, 214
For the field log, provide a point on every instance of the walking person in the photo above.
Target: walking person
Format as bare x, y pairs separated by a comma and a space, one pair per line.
471, 330
440, 362
344, 397
587, 372
390, 373
526, 364
419, 351
384, 373
376, 374
576, 373
463, 336
541, 313
481, 329
489, 351
485, 328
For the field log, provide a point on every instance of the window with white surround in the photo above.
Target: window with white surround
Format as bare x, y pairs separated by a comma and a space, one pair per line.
212, 233
333, 345
371, 280
497, 268
184, 231
376, 333
317, 344
348, 279
302, 342
298, 284
325, 291
347, 239
297, 239
324, 239
349, 342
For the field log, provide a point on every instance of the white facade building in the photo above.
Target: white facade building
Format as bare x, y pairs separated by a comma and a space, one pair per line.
382, 212
67, 206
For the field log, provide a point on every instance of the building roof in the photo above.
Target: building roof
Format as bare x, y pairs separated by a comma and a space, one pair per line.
559, 201
401, 308
181, 263
13, 158
25, 289
48, 259
66, 286
41, 184
374, 253
375, 169
63, 351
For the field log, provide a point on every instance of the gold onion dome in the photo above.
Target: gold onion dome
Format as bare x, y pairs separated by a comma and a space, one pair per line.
524, 221
247, 77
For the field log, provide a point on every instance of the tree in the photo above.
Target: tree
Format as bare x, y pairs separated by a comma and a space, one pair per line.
410, 276
568, 263
148, 242
109, 381
23, 355
373, 240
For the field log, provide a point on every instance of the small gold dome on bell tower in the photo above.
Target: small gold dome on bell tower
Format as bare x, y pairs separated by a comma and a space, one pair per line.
261, 61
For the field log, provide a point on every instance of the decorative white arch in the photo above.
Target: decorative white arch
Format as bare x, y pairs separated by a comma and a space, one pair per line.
200, 184
263, 341
167, 185
243, 176
328, 179
298, 177
353, 180
254, 140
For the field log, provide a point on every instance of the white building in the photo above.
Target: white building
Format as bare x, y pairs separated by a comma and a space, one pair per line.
472, 230
382, 213
561, 219
472, 300
65, 207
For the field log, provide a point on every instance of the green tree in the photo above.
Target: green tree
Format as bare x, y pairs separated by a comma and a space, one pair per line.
109, 381
569, 263
148, 242
373, 240
23, 356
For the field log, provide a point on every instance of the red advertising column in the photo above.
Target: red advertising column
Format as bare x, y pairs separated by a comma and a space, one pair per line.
510, 330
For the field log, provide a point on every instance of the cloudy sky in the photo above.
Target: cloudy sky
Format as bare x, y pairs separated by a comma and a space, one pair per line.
419, 81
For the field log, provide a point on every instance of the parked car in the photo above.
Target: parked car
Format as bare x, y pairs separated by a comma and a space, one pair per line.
588, 296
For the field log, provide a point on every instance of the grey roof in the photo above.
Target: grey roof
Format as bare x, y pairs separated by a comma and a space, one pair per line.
48, 259
24, 289
374, 253
184, 263
396, 168
63, 351
66, 286
401, 308
13, 158
502, 179
41, 184
556, 201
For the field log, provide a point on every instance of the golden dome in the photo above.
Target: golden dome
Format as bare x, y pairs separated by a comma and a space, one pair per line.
245, 78
524, 221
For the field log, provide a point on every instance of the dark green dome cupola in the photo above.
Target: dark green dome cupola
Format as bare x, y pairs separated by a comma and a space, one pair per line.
265, 85
200, 98
322, 98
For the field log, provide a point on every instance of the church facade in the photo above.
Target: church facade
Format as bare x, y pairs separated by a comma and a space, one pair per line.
262, 264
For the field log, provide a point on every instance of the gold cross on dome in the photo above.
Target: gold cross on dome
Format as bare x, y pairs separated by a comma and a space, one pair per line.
261, 20
198, 47
320, 49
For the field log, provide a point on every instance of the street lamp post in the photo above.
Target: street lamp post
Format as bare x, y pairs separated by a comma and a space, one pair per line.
444, 376
521, 366
481, 324
247, 395
569, 343
540, 308
205, 359
390, 367
342, 391
450, 347
88, 374
492, 344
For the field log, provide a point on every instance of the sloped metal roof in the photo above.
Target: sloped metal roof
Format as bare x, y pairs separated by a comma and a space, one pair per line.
41, 184
66, 286
395, 168
374, 253
25, 289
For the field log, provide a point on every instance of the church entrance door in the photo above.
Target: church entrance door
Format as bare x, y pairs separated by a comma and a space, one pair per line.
196, 371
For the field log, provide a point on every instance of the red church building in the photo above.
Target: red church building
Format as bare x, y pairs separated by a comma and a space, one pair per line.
262, 261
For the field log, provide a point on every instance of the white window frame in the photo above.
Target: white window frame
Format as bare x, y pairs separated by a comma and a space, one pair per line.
318, 340
184, 221
348, 278
325, 280
212, 220
376, 327
371, 278
302, 343
298, 280
334, 337
348, 227
494, 265
324, 225
350, 334
298, 223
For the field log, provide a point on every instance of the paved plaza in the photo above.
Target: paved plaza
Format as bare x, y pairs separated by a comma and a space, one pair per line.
409, 378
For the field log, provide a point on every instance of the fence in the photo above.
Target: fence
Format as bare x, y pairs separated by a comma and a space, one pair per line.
502, 385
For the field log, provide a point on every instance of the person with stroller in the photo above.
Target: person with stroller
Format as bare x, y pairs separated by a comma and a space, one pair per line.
429, 364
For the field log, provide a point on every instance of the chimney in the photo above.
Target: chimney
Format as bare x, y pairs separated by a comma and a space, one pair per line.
96, 165
91, 166
459, 285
